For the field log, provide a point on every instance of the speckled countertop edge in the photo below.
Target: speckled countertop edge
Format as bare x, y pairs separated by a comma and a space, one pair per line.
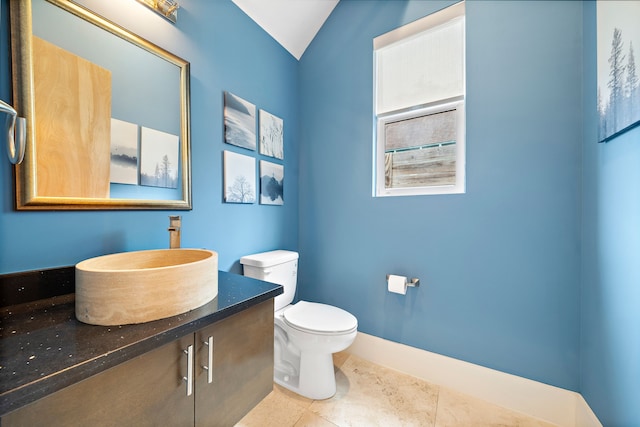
43, 348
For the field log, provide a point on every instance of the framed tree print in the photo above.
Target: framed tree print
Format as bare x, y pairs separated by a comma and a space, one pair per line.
618, 24
239, 178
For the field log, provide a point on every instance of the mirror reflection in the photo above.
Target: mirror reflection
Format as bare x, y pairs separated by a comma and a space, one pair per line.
107, 113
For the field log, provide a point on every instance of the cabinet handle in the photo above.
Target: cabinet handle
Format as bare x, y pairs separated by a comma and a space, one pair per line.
189, 377
209, 366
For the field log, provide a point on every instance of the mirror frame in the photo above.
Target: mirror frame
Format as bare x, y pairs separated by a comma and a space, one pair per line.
23, 94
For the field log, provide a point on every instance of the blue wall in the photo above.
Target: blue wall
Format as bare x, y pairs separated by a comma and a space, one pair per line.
532, 271
227, 52
499, 265
610, 341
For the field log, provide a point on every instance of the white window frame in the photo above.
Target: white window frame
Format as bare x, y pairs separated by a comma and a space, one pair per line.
382, 120
440, 105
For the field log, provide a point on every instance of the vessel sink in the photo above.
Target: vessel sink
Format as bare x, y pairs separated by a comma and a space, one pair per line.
141, 286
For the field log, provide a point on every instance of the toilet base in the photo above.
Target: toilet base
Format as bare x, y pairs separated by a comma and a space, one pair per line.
303, 360
316, 380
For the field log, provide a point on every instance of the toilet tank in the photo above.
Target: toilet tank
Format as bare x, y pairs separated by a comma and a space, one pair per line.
279, 267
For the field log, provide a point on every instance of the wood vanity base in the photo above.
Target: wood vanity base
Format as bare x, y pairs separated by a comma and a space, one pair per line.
149, 390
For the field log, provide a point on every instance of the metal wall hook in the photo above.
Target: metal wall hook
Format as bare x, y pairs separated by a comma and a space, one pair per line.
16, 131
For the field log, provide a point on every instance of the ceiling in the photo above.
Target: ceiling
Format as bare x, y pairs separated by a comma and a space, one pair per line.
292, 23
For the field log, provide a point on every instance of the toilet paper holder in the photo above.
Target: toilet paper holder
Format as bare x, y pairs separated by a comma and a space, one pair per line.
413, 282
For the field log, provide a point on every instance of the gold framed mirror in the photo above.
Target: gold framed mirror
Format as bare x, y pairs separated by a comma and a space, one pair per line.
108, 113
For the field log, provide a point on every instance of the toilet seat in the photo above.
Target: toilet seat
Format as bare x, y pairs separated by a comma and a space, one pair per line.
319, 318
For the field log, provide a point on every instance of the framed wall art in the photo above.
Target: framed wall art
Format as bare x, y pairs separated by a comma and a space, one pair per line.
124, 152
239, 122
271, 135
618, 28
159, 153
239, 178
271, 183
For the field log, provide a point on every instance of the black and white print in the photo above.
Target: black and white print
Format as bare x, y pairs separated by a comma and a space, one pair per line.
271, 183
124, 152
239, 122
239, 178
271, 135
159, 153
618, 74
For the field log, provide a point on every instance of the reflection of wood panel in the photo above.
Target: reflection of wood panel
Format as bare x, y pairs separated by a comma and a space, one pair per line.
73, 119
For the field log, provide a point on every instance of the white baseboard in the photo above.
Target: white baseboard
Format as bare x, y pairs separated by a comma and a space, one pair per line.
562, 407
584, 415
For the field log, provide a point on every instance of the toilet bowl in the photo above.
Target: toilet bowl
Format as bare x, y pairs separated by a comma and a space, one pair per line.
306, 334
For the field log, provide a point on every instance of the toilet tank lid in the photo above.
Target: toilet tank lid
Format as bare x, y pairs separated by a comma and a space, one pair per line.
269, 259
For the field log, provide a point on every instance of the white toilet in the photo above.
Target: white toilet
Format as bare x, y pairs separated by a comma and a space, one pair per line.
306, 333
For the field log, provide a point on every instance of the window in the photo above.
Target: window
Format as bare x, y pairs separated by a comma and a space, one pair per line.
419, 106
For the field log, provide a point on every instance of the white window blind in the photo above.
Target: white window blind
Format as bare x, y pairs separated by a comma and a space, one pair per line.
422, 62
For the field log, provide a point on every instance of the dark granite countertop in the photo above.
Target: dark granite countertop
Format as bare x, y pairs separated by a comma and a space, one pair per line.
43, 348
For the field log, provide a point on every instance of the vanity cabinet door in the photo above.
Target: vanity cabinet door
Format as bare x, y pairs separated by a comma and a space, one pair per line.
146, 391
242, 373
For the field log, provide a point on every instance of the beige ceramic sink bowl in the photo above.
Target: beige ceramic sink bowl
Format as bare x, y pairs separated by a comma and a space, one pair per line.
137, 287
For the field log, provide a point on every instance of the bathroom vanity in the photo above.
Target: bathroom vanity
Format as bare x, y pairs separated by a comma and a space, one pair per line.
206, 367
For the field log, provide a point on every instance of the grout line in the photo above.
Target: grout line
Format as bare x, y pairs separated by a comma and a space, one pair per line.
435, 417
298, 419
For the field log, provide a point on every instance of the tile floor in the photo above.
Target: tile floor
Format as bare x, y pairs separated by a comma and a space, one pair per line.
370, 395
